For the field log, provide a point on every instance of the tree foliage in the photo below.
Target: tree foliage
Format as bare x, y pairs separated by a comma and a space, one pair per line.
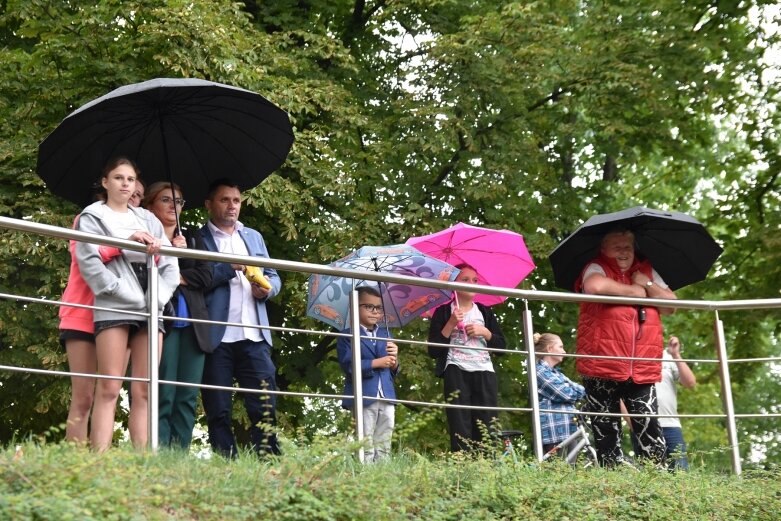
410, 116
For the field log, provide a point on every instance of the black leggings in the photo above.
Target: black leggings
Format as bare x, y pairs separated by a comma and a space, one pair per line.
603, 396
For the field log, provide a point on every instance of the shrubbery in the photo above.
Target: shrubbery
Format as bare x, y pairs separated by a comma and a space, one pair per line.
321, 480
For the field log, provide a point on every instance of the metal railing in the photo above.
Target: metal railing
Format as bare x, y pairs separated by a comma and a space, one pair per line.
525, 295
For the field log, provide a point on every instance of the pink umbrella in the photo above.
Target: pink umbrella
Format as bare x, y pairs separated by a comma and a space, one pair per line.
500, 257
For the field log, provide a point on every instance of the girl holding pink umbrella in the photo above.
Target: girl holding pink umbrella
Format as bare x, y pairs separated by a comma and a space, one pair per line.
469, 374
487, 257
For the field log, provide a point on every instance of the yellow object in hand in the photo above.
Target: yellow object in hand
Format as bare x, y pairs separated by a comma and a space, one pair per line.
255, 275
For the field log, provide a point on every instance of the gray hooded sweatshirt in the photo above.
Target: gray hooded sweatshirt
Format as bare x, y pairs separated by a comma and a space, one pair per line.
114, 284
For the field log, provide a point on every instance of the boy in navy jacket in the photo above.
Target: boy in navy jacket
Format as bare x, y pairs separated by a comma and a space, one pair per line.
379, 365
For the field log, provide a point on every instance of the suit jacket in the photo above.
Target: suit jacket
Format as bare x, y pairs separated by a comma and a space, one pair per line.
218, 295
370, 349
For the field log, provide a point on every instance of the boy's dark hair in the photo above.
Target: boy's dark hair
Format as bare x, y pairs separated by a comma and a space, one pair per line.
219, 183
368, 290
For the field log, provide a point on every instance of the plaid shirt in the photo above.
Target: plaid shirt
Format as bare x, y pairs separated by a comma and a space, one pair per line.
558, 392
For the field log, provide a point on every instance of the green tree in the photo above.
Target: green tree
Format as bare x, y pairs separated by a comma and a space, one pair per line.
408, 117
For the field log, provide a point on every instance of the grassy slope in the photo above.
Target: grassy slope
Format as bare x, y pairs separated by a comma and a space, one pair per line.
60, 481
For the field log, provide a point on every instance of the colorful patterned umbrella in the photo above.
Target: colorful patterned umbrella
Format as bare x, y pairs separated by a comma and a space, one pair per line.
329, 296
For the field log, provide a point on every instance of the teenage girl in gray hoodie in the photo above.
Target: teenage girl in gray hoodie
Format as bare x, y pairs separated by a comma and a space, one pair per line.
117, 287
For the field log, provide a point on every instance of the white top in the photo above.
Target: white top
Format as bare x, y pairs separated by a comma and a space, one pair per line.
122, 225
373, 333
593, 268
464, 358
666, 393
241, 307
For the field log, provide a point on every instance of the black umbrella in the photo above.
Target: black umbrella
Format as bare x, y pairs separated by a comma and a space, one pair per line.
187, 131
679, 248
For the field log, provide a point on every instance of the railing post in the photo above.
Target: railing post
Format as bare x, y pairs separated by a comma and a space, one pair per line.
531, 371
355, 328
726, 395
154, 350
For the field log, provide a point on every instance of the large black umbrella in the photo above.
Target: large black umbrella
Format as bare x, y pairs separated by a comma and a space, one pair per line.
188, 131
679, 248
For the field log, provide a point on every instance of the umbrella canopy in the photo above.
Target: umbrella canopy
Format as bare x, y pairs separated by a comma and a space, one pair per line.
678, 247
188, 131
329, 297
500, 257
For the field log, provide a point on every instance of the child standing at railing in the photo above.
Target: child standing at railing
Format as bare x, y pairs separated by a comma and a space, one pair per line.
555, 391
118, 286
379, 366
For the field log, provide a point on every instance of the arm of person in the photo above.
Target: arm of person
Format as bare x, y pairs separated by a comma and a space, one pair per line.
259, 250
685, 374
436, 331
654, 290
558, 388
344, 353
167, 266
598, 284
496, 338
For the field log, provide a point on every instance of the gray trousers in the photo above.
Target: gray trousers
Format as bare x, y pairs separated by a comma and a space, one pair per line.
378, 421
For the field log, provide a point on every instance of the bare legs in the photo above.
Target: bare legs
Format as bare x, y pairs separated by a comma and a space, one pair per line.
112, 345
81, 359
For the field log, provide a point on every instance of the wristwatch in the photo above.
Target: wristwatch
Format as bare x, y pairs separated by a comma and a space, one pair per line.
649, 284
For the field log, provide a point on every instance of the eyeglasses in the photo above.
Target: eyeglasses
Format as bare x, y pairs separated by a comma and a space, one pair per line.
371, 308
167, 200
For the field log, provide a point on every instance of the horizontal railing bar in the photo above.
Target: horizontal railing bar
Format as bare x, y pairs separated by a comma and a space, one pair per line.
68, 233
48, 302
54, 372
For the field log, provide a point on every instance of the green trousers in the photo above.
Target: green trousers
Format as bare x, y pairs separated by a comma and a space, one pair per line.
182, 361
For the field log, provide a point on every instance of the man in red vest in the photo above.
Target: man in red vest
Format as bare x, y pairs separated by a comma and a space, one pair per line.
622, 331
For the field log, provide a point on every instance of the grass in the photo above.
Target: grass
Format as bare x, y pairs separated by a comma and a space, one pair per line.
322, 481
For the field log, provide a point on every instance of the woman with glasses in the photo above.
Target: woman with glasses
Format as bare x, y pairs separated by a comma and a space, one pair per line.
183, 354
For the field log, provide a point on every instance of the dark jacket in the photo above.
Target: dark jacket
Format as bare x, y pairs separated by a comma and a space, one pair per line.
198, 275
441, 316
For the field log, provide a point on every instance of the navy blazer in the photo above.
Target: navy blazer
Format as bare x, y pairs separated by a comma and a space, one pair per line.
370, 349
218, 295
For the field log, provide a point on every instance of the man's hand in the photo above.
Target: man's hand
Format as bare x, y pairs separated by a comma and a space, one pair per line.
392, 349
259, 292
674, 347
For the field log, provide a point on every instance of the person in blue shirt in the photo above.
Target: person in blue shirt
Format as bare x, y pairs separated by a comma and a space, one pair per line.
379, 365
556, 391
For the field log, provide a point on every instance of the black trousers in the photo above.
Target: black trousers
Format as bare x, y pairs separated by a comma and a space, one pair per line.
603, 396
469, 388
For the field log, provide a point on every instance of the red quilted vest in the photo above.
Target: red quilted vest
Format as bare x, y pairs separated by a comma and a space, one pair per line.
614, 330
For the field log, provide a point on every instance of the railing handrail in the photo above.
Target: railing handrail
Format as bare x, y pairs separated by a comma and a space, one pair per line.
307, 267
524, 295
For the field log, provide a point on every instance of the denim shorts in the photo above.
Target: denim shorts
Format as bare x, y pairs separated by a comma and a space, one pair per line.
75, 334
134, 325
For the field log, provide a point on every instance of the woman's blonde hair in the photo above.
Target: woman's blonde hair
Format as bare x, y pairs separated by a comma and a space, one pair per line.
542, 341
154, 190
